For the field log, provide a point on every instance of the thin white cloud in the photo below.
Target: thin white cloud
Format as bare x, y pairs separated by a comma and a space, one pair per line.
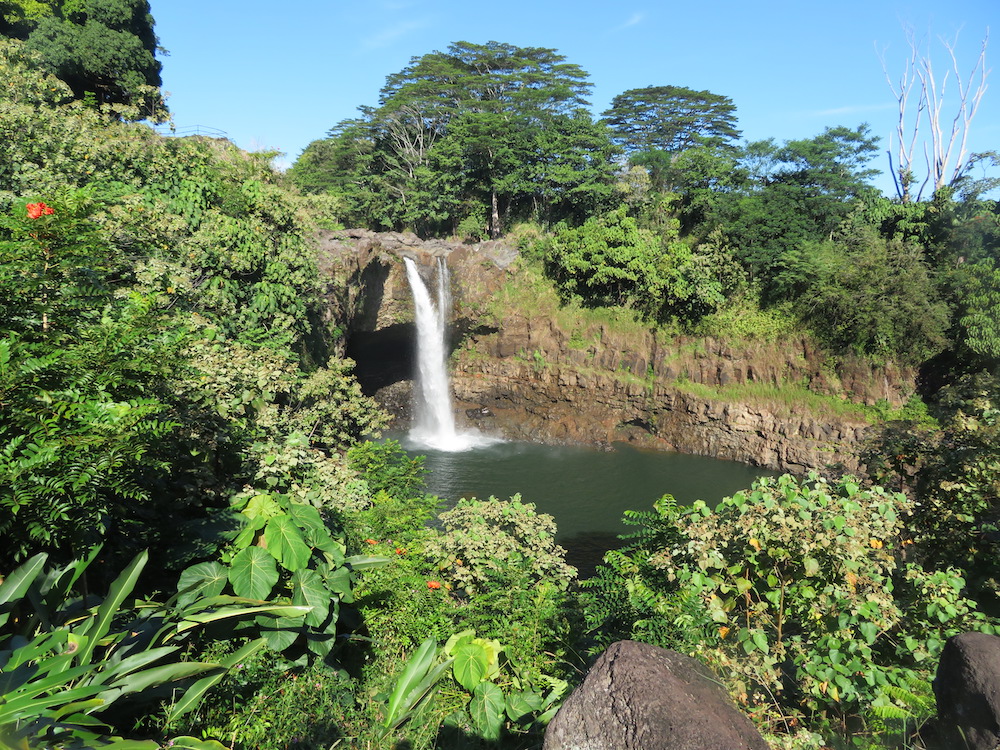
633, 20
392, 34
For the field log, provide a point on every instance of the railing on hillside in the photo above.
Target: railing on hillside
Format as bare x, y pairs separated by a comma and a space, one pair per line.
189, 130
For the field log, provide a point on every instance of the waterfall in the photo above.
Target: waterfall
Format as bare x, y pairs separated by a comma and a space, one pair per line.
433, 419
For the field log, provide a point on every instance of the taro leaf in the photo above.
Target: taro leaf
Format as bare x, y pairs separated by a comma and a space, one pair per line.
487, 709
262, 506
340, 581
457, 639
201, 580
521, 705
253, 573
320, 644
308, 519
471, 663
248, 534
280, 633
308, 589
283, 539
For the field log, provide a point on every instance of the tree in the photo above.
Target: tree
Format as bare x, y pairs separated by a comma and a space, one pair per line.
792, 194
105, 50
481, 130
657, 126
490, 102
979, 318
671, 118
609, 260
863, 293
945, 154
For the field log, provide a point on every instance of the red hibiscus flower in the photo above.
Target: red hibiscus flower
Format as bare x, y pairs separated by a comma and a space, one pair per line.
37, 210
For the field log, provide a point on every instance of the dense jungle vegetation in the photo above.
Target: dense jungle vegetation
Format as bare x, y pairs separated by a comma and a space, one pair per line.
203, 550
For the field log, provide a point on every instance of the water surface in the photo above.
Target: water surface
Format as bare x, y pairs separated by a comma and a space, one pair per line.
586, 490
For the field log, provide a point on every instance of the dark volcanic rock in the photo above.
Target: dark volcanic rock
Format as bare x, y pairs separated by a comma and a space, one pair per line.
967, 689
640, 697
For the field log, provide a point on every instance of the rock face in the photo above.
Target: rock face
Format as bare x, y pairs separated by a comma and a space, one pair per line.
639, 697
557, 404
967, 689
557, 379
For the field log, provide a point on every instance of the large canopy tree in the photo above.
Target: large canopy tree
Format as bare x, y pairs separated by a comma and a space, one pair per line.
105, 50
671, 118
684, 139
480, 132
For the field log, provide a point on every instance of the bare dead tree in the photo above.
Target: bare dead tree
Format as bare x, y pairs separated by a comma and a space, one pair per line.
921, 100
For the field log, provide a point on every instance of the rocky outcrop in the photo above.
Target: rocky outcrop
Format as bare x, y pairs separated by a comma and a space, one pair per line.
555, 404
549, 377
638, 696
967, 690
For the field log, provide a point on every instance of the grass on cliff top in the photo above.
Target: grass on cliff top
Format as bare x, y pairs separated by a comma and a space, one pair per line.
793, 400
533, 295
741, 318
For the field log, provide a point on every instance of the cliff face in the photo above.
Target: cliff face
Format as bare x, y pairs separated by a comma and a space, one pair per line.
522, 371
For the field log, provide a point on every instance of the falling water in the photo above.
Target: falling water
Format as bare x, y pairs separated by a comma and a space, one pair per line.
433, 419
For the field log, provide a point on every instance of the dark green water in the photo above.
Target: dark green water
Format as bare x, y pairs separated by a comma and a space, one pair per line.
584, 489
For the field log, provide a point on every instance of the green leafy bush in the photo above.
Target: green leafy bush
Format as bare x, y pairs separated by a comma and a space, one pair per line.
386, 467
285, 553
484, 536
610, 261
794, 589
485, 694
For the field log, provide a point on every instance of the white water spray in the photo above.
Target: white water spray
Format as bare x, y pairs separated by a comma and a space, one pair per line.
433, 419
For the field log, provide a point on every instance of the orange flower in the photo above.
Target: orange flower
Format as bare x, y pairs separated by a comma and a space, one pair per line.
37, 210
433, 585
371, 541
400, 551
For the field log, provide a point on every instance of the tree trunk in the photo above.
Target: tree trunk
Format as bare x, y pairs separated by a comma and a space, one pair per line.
494, 215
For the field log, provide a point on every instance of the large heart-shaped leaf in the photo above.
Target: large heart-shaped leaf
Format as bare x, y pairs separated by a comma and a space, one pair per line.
201, 580
471, 663
487, 709
253, 573
283, 539
308, 589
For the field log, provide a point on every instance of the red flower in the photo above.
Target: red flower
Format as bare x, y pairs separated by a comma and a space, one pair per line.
433, 585
37, 210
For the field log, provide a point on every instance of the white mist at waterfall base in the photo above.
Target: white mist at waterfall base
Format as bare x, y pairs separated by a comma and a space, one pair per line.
433, 419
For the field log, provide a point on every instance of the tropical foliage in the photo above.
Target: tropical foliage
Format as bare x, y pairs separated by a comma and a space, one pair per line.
176, 414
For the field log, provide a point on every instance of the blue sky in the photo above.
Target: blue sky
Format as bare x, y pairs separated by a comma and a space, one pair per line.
275, 77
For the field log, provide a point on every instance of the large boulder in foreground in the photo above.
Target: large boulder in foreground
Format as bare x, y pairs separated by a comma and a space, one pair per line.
640, 697
967, 689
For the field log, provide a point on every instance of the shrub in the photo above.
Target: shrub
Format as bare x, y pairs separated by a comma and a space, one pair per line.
795, 589
485, 536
